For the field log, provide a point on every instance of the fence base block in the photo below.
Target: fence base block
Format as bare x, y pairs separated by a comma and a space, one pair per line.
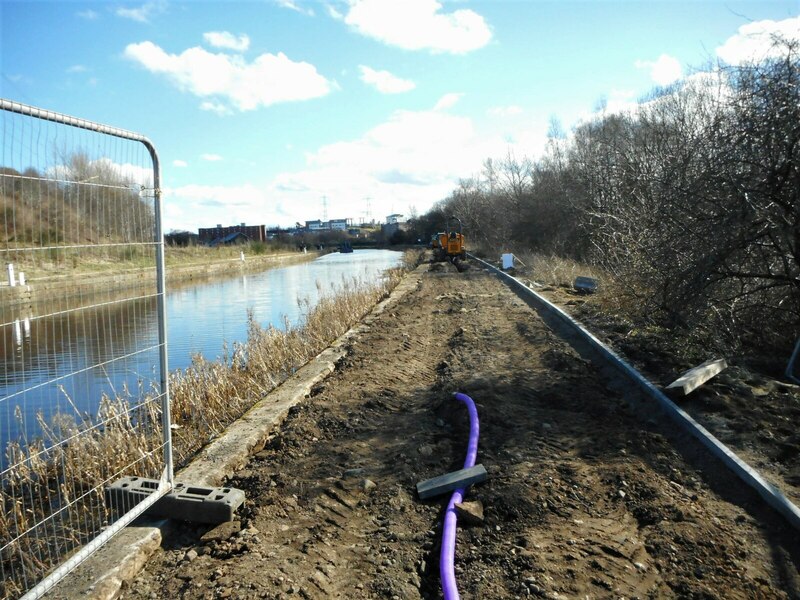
587, 285
185, 502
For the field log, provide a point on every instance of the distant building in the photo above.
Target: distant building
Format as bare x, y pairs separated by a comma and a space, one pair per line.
390, 229
215, 235
274, 232
333, 224
232, 239
395, 218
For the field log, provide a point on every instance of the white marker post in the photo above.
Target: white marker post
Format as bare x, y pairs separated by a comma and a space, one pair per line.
12, 281
17, 333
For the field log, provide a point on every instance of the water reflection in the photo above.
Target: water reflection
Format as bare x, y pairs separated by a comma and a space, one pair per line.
64, 361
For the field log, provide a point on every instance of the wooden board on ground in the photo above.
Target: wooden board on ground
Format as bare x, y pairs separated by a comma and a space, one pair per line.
451, 481
694, 378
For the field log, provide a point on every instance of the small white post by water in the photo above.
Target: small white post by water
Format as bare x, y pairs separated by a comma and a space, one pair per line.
26, 327
305, 250
17, 333
12, 281
241, 255
21, 278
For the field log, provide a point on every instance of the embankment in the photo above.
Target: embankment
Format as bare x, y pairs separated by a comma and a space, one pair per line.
23, 299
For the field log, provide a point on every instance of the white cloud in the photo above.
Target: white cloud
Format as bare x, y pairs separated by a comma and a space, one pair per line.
385, 82
241, 195
225, 39
179, 163
333, 13
291, 5
755, 41
413, 158
143, 13
216, 107
616, 102
505, 111
664, 71
709, 87
194, 206
419, 25
105, 170
269, 79
88, 14
77, 69
447, 101
621, 101
211, 157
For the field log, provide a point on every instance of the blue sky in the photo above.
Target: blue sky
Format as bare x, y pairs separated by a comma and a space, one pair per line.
261, 109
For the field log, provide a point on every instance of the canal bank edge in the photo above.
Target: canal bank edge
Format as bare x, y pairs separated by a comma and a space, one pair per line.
102, 576
68, 286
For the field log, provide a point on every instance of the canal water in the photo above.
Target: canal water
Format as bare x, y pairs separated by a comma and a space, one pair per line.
66, 361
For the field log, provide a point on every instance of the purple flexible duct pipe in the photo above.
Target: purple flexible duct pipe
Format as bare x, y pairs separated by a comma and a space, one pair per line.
448, 555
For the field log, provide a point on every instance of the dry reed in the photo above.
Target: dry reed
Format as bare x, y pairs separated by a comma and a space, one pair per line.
49, 477
554, 270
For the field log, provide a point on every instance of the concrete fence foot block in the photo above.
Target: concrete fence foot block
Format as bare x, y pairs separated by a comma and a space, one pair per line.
587, 285
185, 502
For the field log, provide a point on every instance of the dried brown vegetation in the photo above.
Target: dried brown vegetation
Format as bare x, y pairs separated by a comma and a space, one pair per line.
690, 204
52, 495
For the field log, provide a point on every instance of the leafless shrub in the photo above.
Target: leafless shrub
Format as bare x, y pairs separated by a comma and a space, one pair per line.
690, 204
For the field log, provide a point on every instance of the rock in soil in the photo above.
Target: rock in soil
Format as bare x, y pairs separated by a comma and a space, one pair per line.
222, 532
470, 513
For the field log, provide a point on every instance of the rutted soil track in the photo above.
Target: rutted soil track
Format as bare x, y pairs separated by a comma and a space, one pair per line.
585, 498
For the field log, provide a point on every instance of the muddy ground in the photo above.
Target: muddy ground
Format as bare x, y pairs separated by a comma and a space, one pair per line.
751, 406
586, 497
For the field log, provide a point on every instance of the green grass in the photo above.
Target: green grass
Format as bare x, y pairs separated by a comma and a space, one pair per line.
106, 260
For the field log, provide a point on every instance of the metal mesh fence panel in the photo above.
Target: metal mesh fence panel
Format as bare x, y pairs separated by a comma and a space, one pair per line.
83, 372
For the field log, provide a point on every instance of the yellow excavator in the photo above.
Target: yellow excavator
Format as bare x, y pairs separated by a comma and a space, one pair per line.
449, 245
455, 247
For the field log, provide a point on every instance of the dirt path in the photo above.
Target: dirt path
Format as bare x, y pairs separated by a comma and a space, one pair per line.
584, 498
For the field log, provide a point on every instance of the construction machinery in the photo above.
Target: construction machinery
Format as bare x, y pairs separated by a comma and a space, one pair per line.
455, 247
449, 244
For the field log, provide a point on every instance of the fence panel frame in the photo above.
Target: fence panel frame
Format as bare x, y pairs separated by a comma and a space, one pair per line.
166, 482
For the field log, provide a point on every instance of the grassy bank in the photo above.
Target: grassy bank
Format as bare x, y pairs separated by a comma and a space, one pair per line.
124, 437
108, 260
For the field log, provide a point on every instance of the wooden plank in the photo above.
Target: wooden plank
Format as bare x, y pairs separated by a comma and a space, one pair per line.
451, 481
694, 378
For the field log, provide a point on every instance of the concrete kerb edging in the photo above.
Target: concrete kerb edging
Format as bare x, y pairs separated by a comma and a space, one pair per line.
248, 434
768, 492
102, 576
